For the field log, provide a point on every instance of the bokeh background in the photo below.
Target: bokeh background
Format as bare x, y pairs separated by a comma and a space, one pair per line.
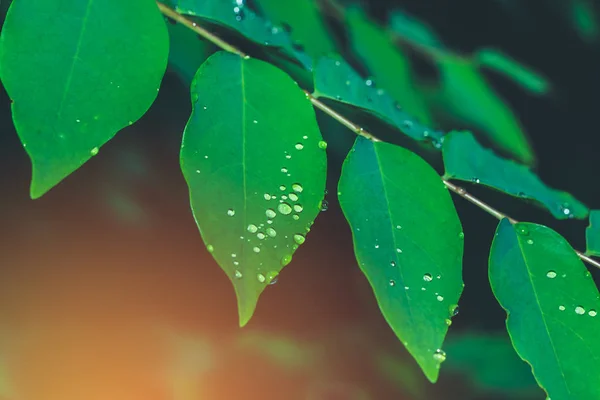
107, 292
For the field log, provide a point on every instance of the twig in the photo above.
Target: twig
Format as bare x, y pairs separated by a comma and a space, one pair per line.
357, 129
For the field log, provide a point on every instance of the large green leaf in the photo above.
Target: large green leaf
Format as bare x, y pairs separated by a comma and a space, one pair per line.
389, 66
408, 242
234, 15
592, 234
69, 97
307, 27
552, 305
469, 98
467, 160
255, 163
337, 81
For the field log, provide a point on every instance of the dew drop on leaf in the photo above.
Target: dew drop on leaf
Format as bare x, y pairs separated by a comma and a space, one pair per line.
439, 355
299, 146
285, 260
256, 249
293, 197
551, 274
298, 208
392, 282
427, 278
296, 187
94, 151
271, 232
270, 213
579, 310
261, 278
284, 208
440, 298
299, 239
322, 144
252, 228
210, 248
592, 313
561, 308
238, 274
231, 212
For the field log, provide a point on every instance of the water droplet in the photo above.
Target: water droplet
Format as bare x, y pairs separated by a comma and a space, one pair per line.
255, 122
210, 248
579, 310
238, 274
376, 246
282, 187
298, 208
398, 227
267, 196
288, 156
296, 217
461, 235
231, 212
94, 151
271, 232
293, 197
475, 180
256, 249
551, 274
322, 144
369, 82
305, 137
561, 308
324, 205
299, 239
393, 263
427, 278
270, 213
454, 310
286, 260
252, 228
592, 313
261, 278
260, 235
299, 146
398, 250
284, 170
523, 231
439, 355
529, 241
296, 187
440, 298
392, 282
284, 208
272, 277
448, 321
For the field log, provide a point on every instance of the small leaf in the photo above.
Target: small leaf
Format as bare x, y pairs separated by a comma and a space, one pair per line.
503, 64
552, 305
389, 67
414, 30
307, 27
68, 97
467, 160
592, 234
337, 81
469, 98
234, 15
253, 158
408, 242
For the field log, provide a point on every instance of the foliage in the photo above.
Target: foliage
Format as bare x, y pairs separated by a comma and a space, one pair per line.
255, 161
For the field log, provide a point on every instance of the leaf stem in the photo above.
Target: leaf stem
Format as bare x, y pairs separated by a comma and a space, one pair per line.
357, 129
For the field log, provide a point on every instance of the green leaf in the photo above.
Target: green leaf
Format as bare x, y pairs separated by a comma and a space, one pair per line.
186, 51
410, 28
592, 234
408, 241
239, 18
503, 64
490, 363
255, 163
467, 160
69, 97
306, 24
337, 81
551, 302
389, 67
468, 97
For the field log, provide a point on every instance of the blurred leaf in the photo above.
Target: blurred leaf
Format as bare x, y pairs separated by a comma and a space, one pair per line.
68, 99
389, 67
592, 234
284, 351
467, 96
255, 163
408, 241
413, 29
503, 64
235, 15
551, 302
305, 21
490, 363
585, 19
467, 160
337, 81
187, 51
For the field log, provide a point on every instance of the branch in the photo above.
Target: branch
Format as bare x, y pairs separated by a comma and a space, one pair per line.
357, 129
